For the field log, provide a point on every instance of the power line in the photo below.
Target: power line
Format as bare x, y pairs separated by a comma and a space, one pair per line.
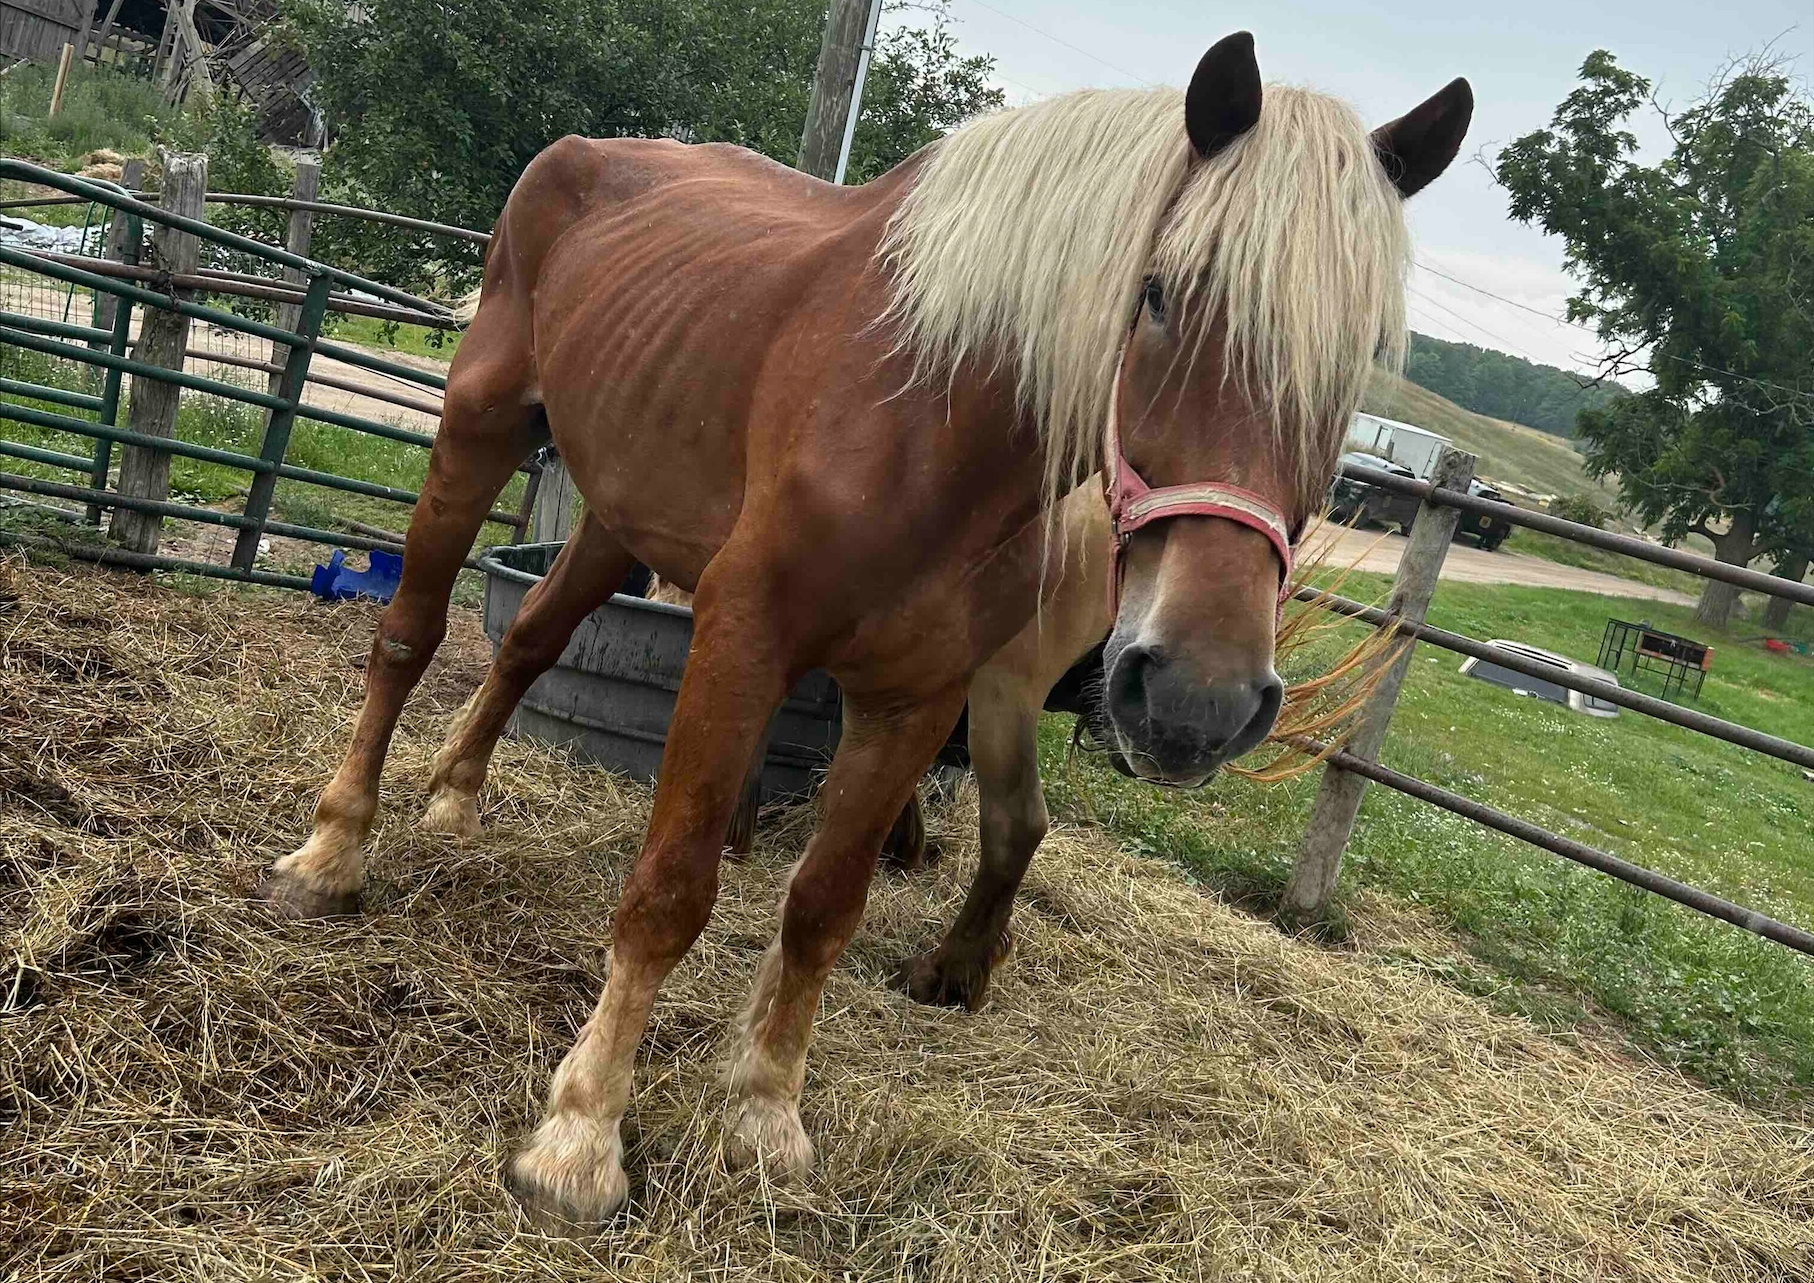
1024, 88
1763, 384
1506, 343
1524, 307
1060, 40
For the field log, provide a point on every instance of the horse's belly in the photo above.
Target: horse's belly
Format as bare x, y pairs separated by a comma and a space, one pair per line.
647, 376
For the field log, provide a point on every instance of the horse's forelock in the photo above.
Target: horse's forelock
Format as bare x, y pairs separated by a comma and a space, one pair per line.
1027, 234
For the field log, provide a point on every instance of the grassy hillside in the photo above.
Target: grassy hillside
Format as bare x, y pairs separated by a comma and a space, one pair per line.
1509, 452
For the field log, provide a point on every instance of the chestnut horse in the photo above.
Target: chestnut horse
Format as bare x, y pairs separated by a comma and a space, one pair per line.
842, 417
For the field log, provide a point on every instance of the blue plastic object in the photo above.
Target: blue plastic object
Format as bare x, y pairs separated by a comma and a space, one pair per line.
336, 582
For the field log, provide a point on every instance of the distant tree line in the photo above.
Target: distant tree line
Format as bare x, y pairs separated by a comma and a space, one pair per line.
1506, 387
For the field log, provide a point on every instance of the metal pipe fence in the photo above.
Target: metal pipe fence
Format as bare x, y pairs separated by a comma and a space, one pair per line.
76, 389
288, 203
1568, 848
1593, 536
1313, 881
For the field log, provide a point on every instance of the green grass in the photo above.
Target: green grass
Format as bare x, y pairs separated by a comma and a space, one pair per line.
1557, 942
101, 109
415, 340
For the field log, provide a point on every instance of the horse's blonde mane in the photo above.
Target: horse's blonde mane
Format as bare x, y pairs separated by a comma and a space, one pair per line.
1027, 235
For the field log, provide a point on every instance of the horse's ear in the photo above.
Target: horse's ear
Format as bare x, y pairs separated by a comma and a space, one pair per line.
1419, 145
1223, 100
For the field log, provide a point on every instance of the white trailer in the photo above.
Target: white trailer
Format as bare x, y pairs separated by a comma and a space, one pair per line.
1403, 443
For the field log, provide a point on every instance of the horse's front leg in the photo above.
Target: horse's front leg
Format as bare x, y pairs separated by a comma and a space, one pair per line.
1004, 750
879, 761
571, 1175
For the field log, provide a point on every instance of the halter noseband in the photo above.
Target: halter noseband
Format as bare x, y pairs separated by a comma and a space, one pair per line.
1133, 504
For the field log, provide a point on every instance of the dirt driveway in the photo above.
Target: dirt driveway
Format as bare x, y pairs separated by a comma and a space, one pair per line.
1378, 551
422, 414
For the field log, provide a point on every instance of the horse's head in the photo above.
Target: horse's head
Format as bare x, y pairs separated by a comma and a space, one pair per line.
1252, 335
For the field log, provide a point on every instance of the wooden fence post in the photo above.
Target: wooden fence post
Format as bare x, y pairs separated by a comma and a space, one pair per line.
62, 82
163, 336
833, 83
552, 519
1319, 862
296, 239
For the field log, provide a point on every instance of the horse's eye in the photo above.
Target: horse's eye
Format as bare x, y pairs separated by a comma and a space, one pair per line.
1155, 298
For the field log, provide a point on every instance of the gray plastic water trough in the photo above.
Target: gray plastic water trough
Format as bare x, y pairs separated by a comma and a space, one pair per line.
611, 695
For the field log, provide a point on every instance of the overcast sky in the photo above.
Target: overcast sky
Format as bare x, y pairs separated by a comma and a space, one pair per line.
1384, 58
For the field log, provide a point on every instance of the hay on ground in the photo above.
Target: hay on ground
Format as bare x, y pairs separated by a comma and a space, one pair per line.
1161, 1088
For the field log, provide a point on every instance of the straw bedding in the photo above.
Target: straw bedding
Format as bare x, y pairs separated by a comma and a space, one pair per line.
1161, 1087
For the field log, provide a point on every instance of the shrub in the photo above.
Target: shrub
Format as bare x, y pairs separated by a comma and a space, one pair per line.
1580, 508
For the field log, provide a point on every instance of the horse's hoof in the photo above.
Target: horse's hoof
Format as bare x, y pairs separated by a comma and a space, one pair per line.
451, 813
762, 1131
298, 896
570, 1180
940, 979
933, 981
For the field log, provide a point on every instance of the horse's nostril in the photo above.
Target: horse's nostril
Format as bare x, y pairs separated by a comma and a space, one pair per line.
1129, 682
1271, 694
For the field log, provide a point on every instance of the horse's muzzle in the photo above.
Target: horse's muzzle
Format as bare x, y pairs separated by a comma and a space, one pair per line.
1173, 726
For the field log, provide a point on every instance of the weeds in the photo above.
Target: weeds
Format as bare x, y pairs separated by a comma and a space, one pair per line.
101, 109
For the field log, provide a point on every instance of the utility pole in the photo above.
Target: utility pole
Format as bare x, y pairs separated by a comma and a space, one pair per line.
850, 27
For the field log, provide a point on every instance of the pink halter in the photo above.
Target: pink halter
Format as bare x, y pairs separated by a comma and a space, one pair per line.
1133, 503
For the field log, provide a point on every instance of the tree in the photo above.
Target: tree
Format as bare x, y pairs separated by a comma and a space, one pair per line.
1699, 271
1506, 387
435, 106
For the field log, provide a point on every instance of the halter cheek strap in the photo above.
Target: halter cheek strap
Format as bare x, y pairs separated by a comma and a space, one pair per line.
1133, 504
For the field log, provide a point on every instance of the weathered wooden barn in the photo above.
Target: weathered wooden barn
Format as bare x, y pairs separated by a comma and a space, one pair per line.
191, 46
37, 30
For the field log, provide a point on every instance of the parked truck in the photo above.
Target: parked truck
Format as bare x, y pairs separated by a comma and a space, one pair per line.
1407, 450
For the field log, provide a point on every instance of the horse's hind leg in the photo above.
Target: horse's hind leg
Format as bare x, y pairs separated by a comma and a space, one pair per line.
486, 432
879, 760
585, 574
1004, 726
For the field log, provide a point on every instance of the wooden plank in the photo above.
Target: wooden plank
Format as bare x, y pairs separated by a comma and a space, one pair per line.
31, 37
67, 13
201, 81
113, 13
